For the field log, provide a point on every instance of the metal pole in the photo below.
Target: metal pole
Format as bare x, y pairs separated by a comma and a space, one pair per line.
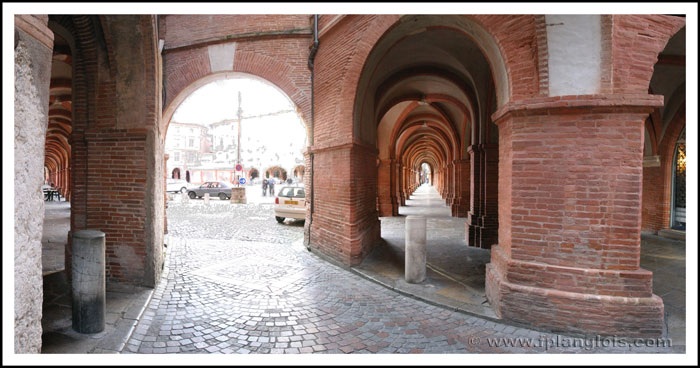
240, 120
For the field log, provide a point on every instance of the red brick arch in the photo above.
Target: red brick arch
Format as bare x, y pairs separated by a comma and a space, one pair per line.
636, 50
514, 36
190, 70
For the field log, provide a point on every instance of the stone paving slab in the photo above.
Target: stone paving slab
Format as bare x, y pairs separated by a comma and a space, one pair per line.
253, 288
328, 310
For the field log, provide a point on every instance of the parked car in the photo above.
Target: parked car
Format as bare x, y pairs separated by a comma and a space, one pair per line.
177, 185
219, 189
290, 203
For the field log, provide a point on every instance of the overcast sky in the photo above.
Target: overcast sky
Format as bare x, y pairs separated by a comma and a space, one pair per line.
218, 100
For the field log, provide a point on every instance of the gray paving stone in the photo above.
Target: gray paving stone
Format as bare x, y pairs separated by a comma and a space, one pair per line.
246, 290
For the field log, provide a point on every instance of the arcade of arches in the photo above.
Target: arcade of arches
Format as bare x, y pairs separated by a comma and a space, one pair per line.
555, 162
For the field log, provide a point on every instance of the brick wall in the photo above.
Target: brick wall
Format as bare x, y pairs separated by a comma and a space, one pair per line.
116, 197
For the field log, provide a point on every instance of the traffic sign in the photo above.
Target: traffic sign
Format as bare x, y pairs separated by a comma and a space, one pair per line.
239, 167
241, 180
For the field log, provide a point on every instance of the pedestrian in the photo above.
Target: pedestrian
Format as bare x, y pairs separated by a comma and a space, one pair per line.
264, 187
271, 184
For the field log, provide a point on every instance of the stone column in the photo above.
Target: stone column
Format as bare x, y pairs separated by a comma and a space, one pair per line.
415, 249
33, 45
89, 308
570, 181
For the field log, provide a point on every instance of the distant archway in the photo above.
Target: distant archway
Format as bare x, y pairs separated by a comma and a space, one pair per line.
276, 172
298, 172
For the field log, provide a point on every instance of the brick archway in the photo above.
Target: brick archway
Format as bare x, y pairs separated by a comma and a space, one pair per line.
351, 48
275, 172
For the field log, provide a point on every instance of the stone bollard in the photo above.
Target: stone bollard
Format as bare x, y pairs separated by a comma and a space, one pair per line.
238, 195
88, 263
184, 198
415, 249
206, 198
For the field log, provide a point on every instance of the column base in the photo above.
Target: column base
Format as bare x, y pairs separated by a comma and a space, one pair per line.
551, 308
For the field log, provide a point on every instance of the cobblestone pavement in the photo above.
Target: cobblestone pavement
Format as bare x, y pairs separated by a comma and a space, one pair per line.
235, 281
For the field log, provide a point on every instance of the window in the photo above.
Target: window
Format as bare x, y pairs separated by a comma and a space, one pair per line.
292, 192
191, 142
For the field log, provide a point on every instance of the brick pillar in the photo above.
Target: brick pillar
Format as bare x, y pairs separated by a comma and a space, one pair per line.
460, 206
444, 182
345, 224
489, 216
68, 187
482, 219
570, 217
398, 170
473, 227
450, 184
385, 200
404, 185
394, 183
412, 176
